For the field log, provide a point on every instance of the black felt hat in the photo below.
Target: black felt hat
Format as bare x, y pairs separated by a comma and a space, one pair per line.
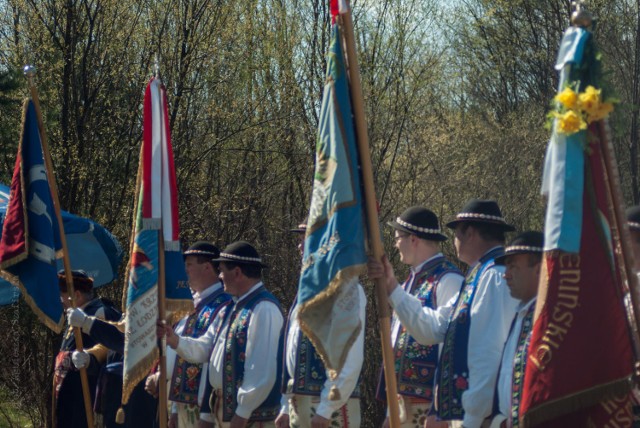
241, 252
81, 281
633, 217
204, 249
301, 228
481, 211
530, 242
421, 222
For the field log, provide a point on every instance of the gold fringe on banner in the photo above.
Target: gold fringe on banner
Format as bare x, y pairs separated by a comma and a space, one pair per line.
322, 303
131, 379
575, 402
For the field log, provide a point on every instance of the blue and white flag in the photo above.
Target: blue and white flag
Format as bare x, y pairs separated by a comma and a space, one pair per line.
30, 242
563, 175
334, 250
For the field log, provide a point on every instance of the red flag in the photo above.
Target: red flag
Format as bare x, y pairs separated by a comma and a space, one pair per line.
14, 242
580, 358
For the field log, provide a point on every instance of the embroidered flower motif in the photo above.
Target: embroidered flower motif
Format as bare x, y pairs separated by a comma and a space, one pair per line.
462, 384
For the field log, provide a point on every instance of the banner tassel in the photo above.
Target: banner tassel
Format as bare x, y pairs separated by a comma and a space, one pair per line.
334, 393
120, 416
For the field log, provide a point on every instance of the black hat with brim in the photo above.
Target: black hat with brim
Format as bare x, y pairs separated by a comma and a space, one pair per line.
419, 221
530, 242
633, 217
81, 281
241, 252
481, 211
204, 249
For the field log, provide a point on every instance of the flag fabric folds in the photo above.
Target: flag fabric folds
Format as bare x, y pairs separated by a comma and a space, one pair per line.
156, 210
30, 242
92, 248
334, 252
580, 357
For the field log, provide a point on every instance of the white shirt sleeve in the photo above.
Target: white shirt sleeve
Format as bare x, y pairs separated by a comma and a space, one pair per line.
197, 350
348, 378
207, 417
491, 313
425, 325
261, 357
284, 404
448, 286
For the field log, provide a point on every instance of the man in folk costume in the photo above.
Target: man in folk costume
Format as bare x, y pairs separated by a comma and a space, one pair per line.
308, 400
243, 345
473, 327
140, 411
522, 259
67, 389
434, 281
187, 381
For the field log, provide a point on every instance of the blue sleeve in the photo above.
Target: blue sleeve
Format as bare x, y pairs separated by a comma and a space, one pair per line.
108, 335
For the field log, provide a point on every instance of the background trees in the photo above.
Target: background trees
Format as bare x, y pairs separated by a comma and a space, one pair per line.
456, 95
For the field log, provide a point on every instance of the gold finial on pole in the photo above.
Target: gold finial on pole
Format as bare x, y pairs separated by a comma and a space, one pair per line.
580, 17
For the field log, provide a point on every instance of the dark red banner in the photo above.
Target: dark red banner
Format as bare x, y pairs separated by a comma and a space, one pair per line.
13, 246
580, 352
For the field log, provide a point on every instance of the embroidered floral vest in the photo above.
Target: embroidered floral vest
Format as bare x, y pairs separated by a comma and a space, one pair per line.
238, 317
185, 380
416, 364
310, 373
520, 364
453, 370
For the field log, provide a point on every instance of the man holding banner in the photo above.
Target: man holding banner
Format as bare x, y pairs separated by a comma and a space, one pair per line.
474, 327
433, 280
67, 388
187, 381
243, 345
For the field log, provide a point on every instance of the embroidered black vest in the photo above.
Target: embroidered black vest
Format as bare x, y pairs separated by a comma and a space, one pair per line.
416, 364
238, 317
453, 370
520, 364
310, 374
185, 380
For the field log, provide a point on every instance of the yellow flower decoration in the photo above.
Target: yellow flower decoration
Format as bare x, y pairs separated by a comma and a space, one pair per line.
601, 112
567, 98
589, 100
575, 111
570, 122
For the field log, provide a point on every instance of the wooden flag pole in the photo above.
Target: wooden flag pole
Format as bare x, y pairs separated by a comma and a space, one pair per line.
362, 138
30, 72
162, 388
621, 229
582, 18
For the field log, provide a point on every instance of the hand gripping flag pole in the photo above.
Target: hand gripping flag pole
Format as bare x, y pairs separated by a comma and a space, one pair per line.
362, 138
